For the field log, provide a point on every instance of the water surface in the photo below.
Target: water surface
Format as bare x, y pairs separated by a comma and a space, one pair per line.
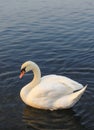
59, 37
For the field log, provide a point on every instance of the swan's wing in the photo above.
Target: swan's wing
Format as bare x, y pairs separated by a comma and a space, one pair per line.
69, 100
63, 80
70, 83
44, 95
51, 87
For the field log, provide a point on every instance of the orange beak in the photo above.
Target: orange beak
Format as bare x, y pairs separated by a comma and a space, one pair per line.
22, 74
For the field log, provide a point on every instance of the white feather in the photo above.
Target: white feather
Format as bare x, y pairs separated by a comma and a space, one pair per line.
51, 91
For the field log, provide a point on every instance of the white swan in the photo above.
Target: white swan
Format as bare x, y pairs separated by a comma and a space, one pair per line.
49, 92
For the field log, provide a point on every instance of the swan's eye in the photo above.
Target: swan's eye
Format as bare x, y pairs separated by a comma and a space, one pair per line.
23, 70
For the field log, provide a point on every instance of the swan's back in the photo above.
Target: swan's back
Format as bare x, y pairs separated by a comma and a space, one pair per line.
64, 81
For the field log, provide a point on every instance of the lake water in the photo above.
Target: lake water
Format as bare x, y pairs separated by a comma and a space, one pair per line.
59, 36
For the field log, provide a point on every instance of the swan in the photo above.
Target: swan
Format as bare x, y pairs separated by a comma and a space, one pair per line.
50, 92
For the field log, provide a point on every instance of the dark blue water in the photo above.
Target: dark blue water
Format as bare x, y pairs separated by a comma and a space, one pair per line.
59, 36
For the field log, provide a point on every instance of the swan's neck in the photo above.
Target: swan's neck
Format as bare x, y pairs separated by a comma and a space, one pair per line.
37, 76
36, 80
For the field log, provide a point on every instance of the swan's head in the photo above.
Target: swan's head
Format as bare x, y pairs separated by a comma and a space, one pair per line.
26, 67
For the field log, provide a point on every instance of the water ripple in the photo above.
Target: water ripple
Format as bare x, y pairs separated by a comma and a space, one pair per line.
58, 36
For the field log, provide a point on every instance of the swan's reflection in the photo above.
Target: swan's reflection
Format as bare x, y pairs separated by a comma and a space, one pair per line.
51, 120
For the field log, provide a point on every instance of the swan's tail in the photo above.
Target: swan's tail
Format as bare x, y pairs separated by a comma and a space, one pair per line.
74, 97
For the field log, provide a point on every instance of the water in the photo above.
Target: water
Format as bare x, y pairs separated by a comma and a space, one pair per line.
58, 36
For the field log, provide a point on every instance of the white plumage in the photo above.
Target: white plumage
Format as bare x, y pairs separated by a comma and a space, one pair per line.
49, 92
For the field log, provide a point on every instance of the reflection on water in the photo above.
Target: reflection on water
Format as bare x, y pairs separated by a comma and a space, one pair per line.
51, 120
